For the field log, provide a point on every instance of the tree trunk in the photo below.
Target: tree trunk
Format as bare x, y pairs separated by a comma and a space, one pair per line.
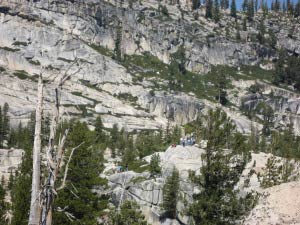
34, 215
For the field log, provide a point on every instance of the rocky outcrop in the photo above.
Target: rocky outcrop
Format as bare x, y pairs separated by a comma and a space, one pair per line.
147, 191
285, 104
278, 205
10, 159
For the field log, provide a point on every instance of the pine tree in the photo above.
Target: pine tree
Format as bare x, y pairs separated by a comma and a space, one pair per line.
171, 194
176, 134
129, 214
118, 44
5, 123
100, 135
196, 4
244, 24
114, 137
226, 4
209, 8
233, 9
256, 5
216, 14
250, 10
22, 186
238, 35
155, 168
262, 31
245, 5
265, 8
217, 202
290, 7
277, 5
272, 39
271, 176
221, 84
3, 205
1, 128
83, 176
297, 9
284, 7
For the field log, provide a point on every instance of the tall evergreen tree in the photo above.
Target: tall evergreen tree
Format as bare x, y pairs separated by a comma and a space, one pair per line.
250, 10
261, 33
196, 4
5, 123
83, 176
226, 4
256, 5
297, 9
1, 128
22, 186
238, 35
272, 174
218, 203
244, 24
100, 135
272, 39
155, 168
171, 194
3, 205
209, 8
233, 9
129, 214
283, 6
245, 5
290, 7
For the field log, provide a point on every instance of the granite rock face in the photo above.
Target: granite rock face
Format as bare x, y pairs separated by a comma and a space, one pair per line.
75, 38
147, 191
10, 159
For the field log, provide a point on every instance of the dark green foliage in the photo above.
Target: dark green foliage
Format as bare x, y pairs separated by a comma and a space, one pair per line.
3, 204
268, 115
4, 124
209, 8
233, 9
224, 4
100, 135
244, 24
272, 174
250, 10
118, 44
163, 9
245, 5
20, 190
196, 4
261, 33
216, 12
297, 9
155, 168
272, 39
1, 127
238, 34
171, 194
217, 203
83, 176
179, 57
287, 70
221, 83
148, 142
129, 214
290, 7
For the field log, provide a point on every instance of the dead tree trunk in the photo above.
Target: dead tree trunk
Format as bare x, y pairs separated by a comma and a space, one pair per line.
34, 215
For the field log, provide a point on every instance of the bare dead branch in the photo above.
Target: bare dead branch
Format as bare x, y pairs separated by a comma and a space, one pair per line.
67, 167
